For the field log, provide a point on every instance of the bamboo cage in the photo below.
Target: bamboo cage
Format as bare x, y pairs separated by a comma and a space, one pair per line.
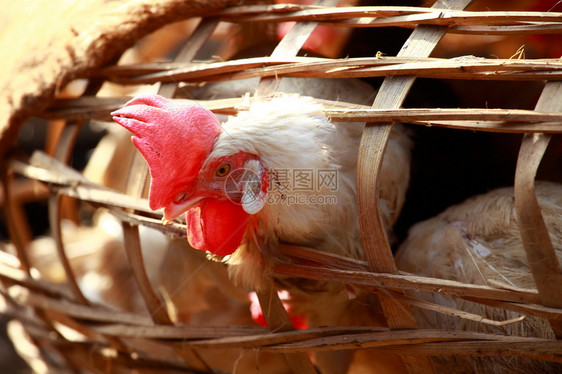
105, 339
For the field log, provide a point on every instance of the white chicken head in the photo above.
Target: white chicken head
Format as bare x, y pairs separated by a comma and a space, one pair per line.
216, 193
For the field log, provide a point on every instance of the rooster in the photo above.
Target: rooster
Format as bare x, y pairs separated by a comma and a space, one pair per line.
255, 181
478, 242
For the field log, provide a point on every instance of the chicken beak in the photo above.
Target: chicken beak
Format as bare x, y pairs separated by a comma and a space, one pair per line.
174, 210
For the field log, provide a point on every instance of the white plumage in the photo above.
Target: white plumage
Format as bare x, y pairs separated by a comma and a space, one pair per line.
478, 242
290, 133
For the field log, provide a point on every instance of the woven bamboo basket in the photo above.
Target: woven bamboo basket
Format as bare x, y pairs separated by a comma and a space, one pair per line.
78, 76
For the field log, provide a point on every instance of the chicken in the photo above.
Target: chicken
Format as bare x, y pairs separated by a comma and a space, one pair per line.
478, 242
277, 172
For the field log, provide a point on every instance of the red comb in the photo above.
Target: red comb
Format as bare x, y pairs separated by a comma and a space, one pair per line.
175, 138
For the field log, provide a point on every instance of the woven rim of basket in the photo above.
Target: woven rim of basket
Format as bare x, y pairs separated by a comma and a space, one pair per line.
379, 269
80, 39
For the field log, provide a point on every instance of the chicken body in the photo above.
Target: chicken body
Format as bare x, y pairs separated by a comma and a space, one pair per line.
280, 140
478, 242
293, 139
331, 225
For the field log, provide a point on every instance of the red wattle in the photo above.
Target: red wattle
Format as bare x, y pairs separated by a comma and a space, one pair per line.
216, 226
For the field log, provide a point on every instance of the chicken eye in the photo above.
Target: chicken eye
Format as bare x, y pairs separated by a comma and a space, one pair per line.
223, 170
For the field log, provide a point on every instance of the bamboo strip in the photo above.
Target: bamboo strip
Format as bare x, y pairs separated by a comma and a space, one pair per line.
420, 71
136, 180
21, 277
541, 256
309, 67
413, 342
412, 282
285, 337
456, 24
99, 358
550, 28
329, 338
87, 193
189, 50
405, 337
527, 308
428, 115
19, 231
453, 311
156, 306
180, 332
271, 305
172, 229
493, 126
61, 155
321, 64
533, 348
445, 16
373, 143
308, 341
473, 119
311, 257
500, 22
335, 338
89, 312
